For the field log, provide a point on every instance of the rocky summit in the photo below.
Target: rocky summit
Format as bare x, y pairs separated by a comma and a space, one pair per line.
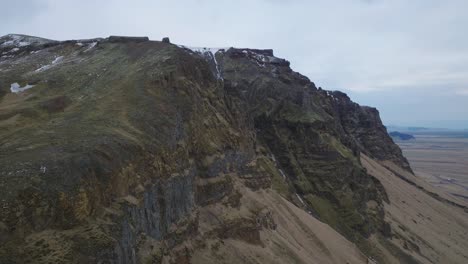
126, 150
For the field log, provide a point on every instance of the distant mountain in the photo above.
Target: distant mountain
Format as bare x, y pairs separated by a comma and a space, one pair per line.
401, 136
410, 128
418, 129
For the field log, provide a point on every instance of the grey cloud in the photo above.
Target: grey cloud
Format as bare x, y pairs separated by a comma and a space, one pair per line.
18, 11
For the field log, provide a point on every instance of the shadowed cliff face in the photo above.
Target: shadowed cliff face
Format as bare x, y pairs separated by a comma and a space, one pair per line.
310, 136
365, 127
133, 151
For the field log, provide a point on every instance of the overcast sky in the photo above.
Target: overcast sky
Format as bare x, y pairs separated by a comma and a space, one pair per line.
407, 58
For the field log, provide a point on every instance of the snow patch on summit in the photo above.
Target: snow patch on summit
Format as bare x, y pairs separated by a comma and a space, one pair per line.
210, 53
262, 59
203, 50
14, 40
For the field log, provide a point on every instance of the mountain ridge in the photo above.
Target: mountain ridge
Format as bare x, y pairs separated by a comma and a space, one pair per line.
147, 151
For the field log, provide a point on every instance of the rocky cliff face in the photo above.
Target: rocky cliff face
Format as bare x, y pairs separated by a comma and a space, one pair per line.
124, 151
367, 130
299, 126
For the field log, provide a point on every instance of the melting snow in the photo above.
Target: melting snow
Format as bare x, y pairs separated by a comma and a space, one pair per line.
16, 88
58, 59
273, 158
10, 51
92, 45
203, 50
218, 73
17, 41
48, 66
8, 43
260, 59
23, 43
300, 199
331, 95
282, 174
211, 52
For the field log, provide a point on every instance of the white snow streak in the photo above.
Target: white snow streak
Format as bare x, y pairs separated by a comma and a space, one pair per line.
58, 59
17, 41
282, 173
16, 88
48, 66
90, 46
300, 199
23, 43
211, 52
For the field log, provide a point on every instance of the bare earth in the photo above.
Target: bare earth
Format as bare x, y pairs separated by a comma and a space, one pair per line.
441, 160
433, 230
429, 230
297, 238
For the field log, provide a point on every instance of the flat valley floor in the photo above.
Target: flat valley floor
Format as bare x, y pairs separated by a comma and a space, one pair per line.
441, 158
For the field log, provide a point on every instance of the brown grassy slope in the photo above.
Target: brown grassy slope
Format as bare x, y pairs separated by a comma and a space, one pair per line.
297, 237
432, 231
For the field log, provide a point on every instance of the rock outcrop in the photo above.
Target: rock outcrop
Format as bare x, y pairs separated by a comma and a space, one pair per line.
367, 130
127, 39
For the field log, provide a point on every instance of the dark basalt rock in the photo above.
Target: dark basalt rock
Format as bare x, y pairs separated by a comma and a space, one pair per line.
127, 39
369, 134
316, 137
